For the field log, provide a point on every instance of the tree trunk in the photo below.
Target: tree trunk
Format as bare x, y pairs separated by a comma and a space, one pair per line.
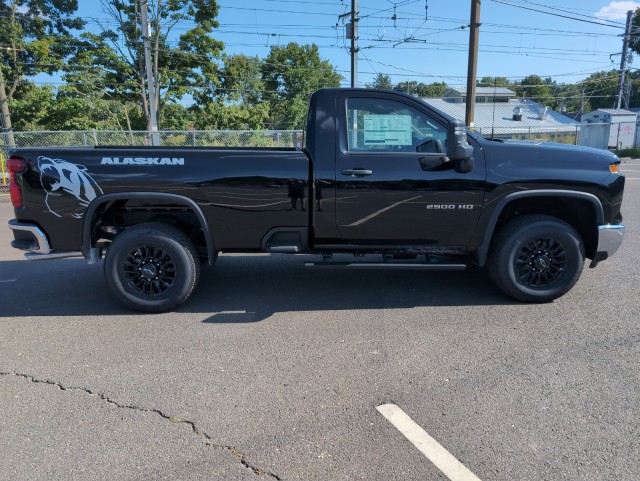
4, 110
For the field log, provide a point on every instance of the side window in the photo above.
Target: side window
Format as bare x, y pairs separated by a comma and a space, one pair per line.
382, 125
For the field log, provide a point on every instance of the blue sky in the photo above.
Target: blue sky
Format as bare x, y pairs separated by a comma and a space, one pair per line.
427, 40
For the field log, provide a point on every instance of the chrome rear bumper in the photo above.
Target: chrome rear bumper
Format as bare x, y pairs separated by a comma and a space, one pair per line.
34, 241
39, 244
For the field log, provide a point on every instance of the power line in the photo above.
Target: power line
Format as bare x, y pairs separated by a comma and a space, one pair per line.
571, 12
385, 42
185, 25
601, 23
280, 11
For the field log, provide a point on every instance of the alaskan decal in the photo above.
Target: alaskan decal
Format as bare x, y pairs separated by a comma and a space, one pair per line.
63, 180
142, 161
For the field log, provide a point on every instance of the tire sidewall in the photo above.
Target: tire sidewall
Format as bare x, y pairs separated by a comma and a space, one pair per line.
185, 269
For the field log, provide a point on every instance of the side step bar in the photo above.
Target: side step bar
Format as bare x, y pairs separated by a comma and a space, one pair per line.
387, 265
34, 256
282, 249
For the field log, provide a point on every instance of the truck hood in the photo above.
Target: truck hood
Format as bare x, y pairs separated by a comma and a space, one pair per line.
544, 160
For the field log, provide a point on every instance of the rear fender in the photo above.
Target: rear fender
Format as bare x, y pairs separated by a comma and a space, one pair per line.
87, 239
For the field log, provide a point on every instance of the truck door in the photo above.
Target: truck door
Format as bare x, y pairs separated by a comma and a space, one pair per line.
395, 184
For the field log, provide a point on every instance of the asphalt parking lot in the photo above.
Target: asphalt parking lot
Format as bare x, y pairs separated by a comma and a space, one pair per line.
272, 371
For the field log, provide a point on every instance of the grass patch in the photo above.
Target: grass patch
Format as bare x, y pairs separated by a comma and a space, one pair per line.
634, 152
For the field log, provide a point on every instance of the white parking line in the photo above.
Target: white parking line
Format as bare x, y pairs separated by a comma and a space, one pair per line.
443, 459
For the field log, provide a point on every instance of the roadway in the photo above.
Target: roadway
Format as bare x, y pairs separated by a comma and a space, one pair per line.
273, 371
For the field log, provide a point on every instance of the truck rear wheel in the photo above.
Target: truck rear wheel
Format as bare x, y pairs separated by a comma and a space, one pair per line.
152, 267
536, 258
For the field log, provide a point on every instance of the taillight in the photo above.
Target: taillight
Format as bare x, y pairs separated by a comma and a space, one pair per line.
16, 165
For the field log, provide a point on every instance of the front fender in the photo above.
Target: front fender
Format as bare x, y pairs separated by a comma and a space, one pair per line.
483, 250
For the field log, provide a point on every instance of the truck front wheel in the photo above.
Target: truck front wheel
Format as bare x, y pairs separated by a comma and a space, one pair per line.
152, 267
536, 258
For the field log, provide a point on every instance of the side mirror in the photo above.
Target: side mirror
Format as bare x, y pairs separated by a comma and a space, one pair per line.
459, 150
433, 162
463, 166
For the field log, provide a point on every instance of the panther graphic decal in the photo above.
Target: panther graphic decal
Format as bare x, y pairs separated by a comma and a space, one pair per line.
62, 179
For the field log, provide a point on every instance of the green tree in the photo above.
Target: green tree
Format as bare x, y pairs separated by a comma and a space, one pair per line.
290, 74
566, 98
238, 102
382, 82
600, 89
422, 90
432, 90
43, 108
241, 79
223, 116
535, 88
176, 117
88, 87
36, 37
634, 97
30, 105
408, 87
70, 113
494, 82
183, 62
634, 41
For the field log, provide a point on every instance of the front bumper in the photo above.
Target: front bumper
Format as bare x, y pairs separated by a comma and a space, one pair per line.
610, 238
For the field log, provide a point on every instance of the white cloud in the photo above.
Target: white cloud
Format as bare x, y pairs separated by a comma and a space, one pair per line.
616, 10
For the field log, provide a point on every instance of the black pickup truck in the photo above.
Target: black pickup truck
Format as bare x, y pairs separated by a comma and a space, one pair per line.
381, 174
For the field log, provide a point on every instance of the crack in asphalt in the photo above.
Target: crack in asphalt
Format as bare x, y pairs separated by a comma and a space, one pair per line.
208, 440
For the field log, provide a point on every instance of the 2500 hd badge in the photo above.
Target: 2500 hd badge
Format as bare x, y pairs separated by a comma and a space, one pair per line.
449, 206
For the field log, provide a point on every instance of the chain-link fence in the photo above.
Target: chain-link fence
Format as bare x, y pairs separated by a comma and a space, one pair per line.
4, 175
537, 134
615, 136
610, 135
195, 138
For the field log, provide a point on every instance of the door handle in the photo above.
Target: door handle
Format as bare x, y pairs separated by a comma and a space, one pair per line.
357, 172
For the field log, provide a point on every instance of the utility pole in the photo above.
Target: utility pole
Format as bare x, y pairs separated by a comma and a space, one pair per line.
474, 26
623, 61
352, 33
146, 37
4, 111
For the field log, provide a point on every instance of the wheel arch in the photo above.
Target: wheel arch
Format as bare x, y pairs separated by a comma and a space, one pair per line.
567, 205
89, 251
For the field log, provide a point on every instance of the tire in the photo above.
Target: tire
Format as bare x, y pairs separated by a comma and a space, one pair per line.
152, 267
536, 258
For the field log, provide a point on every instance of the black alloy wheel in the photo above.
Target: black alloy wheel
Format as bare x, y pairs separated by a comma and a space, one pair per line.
541, 262
149, 270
